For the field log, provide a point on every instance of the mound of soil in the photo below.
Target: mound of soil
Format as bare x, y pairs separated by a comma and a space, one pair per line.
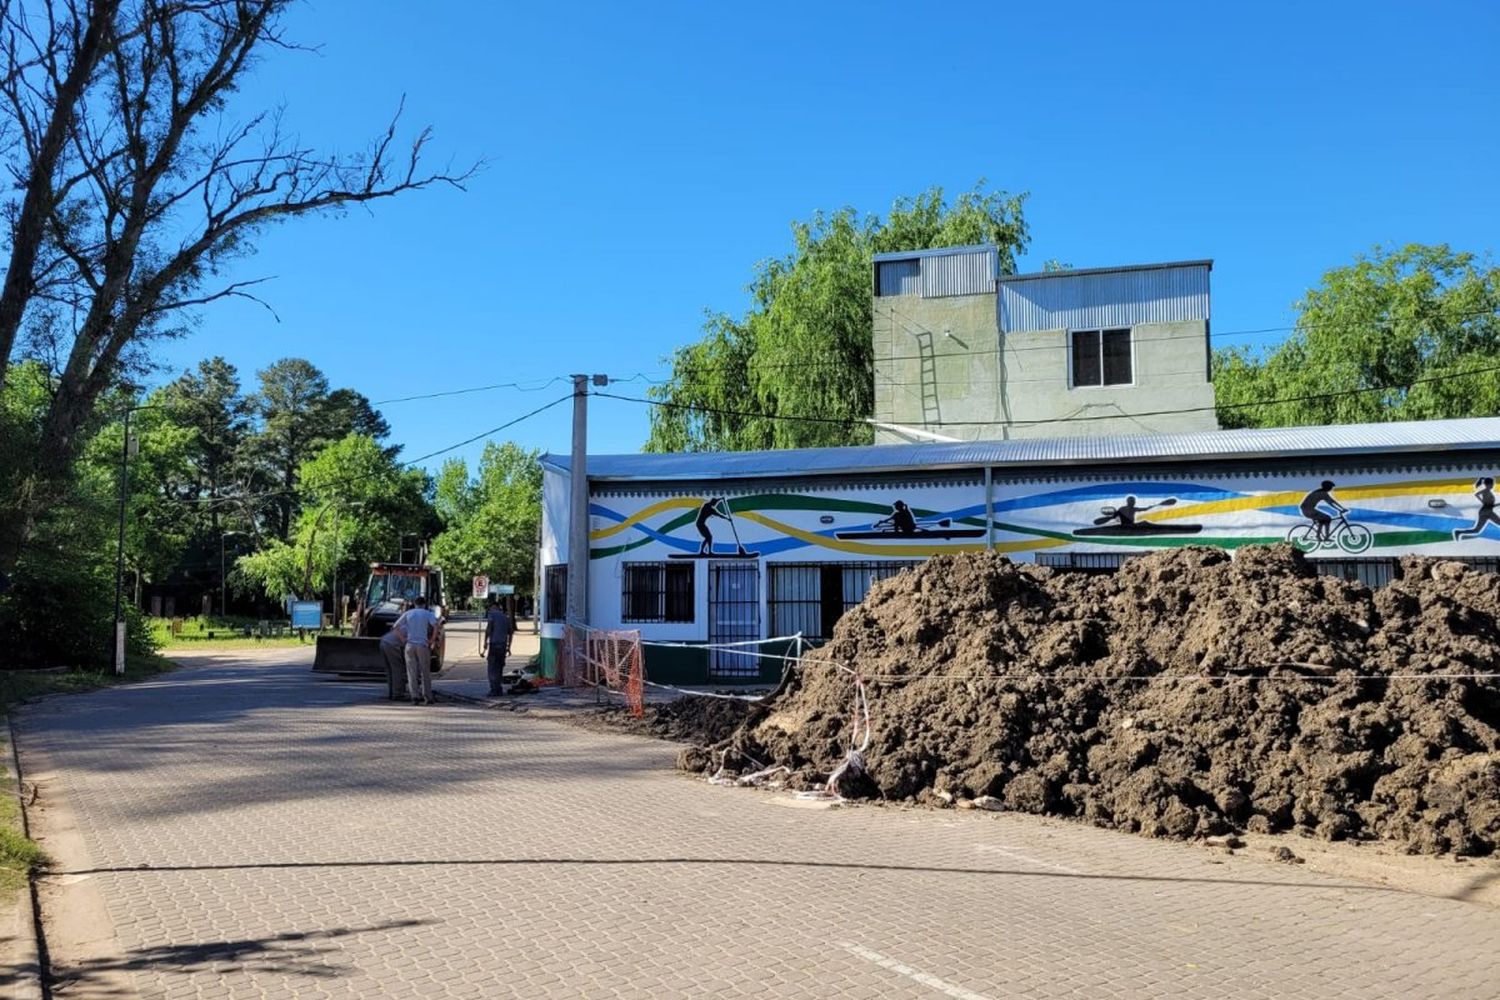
689, 719
1190, 694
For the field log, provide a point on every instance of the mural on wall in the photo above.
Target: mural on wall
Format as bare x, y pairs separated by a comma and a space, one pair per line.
1358, 514
711, 508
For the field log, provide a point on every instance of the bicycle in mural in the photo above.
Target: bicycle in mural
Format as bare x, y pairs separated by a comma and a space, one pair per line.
1309, 536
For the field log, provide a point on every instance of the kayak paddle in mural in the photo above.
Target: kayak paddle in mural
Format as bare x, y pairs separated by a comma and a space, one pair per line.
1120, 522
711, 508
903, 523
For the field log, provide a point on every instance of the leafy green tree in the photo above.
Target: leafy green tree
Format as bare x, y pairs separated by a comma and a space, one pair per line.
804, 346
1389, 337
491, 521
67, 574
299, 415
358, 503
135, 182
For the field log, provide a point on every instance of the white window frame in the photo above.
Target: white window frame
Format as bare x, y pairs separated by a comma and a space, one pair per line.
1100, 330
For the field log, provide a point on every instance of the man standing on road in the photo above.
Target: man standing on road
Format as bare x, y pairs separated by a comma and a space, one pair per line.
497, 630
392, 647
421, 628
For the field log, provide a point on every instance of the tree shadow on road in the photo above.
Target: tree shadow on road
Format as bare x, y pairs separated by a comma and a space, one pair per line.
299, 953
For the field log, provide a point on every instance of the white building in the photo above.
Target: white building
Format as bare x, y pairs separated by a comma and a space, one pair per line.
794, 538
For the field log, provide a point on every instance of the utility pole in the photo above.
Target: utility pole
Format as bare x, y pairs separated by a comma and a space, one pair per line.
578, 496
119, 657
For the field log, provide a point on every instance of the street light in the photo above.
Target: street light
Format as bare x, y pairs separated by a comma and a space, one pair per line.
126, 450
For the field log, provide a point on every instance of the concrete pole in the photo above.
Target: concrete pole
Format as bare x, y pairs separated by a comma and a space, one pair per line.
578, 506
119, 650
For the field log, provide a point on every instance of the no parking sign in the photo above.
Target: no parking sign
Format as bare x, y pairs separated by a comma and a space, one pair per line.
481, 586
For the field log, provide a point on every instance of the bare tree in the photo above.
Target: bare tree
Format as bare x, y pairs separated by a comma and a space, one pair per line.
137, 186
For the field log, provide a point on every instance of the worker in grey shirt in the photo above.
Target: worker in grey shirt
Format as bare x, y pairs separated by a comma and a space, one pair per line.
497, 630
421, 628
393, 648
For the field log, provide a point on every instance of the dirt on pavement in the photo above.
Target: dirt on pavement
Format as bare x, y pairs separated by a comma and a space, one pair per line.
697, 719
1189, 694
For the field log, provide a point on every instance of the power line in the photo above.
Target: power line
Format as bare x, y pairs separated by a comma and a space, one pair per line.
537, 385
241, 498
719, 411
912, 326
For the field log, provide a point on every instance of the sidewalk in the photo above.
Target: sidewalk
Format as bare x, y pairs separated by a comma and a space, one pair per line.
464, 679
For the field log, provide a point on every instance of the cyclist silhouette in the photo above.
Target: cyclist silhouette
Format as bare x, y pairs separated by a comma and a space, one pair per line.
1311, 508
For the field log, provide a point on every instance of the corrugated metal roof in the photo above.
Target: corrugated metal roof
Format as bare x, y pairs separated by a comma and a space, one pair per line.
934, 252
958, 274
1074, 272
1278, 442
1099, 298
898, 277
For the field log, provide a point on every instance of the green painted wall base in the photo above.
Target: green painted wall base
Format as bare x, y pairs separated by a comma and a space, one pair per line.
689, 665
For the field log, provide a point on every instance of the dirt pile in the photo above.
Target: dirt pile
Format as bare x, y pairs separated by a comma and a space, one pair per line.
689, 719
1187, 695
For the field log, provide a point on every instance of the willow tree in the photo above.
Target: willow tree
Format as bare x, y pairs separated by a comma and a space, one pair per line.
1409, 333
136, 181
803, 348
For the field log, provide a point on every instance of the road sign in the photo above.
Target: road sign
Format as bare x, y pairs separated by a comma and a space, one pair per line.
307, 614
503, 589
481, 586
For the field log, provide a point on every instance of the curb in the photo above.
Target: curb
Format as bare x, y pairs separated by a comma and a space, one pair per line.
28, 971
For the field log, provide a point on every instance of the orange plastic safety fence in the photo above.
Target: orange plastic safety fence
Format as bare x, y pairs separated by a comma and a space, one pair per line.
608, 659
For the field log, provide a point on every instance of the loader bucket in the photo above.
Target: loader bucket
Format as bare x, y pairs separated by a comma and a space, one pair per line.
338, 654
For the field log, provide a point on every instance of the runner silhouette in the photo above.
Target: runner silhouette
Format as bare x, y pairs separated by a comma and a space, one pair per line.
1484, 492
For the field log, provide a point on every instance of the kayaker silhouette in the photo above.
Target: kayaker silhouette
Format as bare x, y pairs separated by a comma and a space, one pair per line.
902, 521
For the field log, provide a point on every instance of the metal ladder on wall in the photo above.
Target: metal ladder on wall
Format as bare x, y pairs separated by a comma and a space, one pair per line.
927, 375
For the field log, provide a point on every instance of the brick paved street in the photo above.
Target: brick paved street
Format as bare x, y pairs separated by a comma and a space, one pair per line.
258, 831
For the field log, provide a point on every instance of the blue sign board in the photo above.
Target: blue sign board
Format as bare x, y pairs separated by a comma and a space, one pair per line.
307, 614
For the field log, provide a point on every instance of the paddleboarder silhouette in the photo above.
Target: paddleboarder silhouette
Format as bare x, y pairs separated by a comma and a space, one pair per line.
709, 509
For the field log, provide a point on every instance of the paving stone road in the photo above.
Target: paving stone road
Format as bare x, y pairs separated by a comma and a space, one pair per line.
258, 831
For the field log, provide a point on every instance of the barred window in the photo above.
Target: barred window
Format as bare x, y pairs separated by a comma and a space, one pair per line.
657, 592
556, 588
810, 598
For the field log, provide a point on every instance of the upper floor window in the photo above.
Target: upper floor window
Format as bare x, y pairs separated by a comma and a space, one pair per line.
1102, 357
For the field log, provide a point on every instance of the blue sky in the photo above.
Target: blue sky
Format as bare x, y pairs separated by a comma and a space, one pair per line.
642, 157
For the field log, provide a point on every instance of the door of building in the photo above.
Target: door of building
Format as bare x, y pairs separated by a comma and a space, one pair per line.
733, 617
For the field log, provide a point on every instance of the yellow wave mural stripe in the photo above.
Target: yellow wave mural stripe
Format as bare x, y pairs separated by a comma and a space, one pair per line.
1294, 497
882, 549
643, 513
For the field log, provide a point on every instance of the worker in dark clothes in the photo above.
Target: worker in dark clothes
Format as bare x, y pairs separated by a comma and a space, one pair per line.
497, 631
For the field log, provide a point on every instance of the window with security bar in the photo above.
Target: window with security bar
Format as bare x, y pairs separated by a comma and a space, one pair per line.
810, 598
656, 592
555, 592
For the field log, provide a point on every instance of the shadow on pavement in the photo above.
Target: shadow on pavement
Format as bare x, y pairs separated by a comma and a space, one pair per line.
290, 953
297, 728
